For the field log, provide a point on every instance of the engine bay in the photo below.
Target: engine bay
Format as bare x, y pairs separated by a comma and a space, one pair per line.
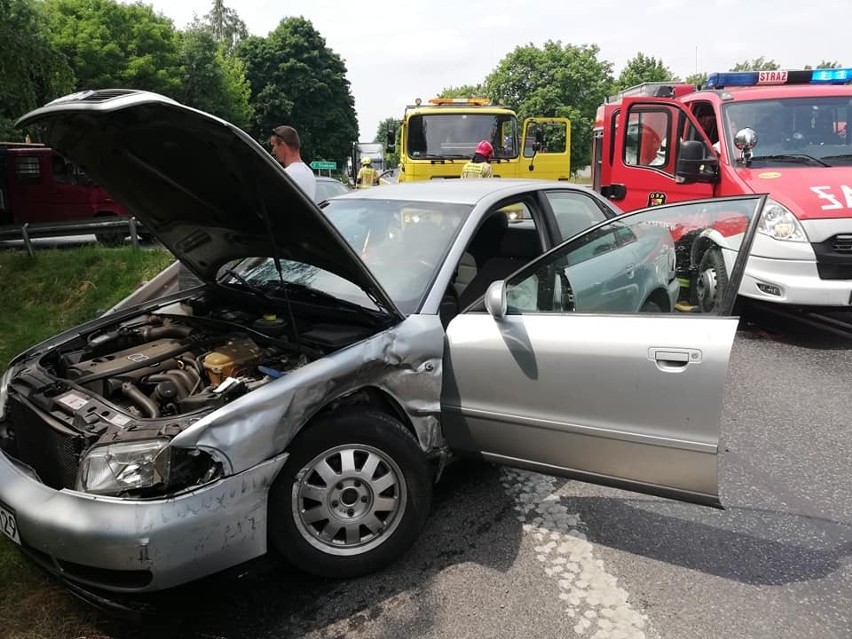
160, 365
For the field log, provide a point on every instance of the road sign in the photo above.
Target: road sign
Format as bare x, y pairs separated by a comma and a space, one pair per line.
324, 166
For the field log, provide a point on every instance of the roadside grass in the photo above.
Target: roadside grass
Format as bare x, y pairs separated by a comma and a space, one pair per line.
42, 296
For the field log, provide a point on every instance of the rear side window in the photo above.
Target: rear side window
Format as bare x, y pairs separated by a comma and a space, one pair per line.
27, 169
574, 212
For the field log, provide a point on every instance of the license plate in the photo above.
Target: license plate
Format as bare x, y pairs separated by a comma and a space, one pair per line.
8, 525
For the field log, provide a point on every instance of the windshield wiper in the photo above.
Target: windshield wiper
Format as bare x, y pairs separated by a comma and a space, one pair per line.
440, 157
248, 285
842, 156
304, 291
797, 158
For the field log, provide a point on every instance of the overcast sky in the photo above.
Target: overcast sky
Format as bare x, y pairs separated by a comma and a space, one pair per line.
397, 51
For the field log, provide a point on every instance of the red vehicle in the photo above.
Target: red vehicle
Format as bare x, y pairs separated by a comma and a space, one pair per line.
39, 185
783, 133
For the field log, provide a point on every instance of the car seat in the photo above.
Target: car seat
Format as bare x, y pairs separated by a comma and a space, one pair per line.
517, 246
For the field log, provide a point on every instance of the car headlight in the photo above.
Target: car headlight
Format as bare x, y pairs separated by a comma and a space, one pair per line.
117, 468
778, 222
4, 392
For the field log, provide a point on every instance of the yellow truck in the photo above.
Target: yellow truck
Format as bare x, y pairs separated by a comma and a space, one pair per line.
438, 138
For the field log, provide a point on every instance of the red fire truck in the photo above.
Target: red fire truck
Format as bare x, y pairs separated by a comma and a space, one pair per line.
39, 185
783, 133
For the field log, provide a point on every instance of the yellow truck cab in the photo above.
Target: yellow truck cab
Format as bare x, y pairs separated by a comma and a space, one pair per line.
437, 139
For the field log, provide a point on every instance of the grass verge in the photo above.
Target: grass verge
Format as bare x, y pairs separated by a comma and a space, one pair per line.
41, 296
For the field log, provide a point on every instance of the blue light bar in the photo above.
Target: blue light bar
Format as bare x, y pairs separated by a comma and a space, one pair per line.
831, 76
733, 79
779, 77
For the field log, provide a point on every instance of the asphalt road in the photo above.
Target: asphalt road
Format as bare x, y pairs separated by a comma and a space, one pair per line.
515, 554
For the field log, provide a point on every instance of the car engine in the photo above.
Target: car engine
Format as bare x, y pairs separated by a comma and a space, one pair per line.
161, 366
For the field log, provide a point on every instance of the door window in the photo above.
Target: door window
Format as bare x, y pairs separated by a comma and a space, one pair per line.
646, 143
27, 169
660, 260
545, 137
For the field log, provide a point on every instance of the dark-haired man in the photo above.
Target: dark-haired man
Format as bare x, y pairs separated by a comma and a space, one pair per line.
286, 147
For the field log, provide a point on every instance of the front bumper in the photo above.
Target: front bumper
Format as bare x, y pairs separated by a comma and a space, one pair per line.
797, 281
127, 545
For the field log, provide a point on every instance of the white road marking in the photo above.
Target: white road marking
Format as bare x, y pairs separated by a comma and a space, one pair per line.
592, 596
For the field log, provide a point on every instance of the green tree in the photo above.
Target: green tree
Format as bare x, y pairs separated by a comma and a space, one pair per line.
32, 72
212, 80
465, 91
758, 64
296, 79
698, 79
825, 64
641, 69
226, 25
115, 45
558, 81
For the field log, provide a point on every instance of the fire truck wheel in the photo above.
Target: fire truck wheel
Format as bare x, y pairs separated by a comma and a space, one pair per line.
712, 281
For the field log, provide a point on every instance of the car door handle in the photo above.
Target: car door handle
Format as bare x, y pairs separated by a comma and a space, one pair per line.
629, 270
674, 360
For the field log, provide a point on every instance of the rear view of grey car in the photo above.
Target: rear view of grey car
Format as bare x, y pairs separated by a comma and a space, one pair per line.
303, 399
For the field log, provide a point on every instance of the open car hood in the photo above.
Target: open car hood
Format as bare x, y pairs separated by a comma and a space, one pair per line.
206, 189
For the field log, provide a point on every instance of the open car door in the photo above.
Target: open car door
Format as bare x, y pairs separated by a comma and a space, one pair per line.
660, 155
580, 365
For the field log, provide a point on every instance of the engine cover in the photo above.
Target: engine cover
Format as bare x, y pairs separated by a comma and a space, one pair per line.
135, 362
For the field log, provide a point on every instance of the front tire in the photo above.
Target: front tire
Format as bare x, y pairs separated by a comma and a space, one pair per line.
352, 497
712, 281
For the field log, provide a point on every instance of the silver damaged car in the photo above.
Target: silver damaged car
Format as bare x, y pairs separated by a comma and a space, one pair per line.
305, 396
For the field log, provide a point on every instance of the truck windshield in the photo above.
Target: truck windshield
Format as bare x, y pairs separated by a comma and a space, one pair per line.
455, 135
806, 132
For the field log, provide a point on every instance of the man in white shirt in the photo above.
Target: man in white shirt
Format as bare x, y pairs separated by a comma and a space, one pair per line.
286, 147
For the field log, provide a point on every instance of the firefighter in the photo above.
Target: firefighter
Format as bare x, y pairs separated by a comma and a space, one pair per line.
479, 166
367, 175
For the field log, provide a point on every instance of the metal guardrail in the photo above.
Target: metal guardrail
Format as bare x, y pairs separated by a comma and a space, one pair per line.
28, 231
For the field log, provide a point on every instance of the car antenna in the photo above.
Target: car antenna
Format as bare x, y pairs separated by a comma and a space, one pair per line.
276, 259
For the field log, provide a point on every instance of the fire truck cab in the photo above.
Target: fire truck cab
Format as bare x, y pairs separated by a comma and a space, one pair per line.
437, 139
782, 133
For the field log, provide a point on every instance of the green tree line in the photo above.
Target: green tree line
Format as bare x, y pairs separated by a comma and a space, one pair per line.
49, 48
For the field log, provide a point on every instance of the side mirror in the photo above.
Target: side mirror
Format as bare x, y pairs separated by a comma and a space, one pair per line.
495, 299
390, 140
694, 165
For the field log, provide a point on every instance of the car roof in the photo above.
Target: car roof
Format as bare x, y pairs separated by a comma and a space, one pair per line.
457, 191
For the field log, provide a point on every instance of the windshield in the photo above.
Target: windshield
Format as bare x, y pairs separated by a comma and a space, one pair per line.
402, 242
794, 131
455, 135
